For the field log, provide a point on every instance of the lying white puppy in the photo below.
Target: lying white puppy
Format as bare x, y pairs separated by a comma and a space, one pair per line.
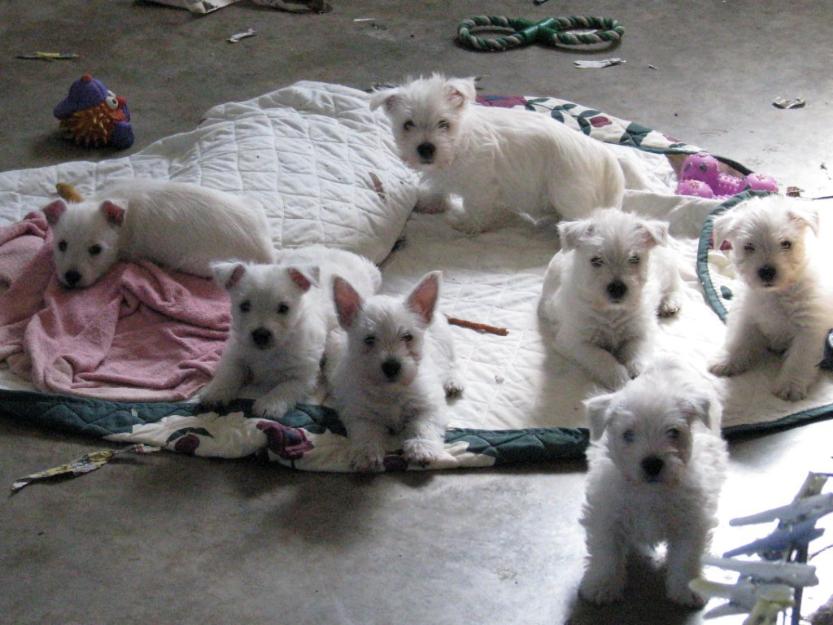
281, 319
786, 306
499, 161
603, 291
657, 465
396, 372
182, 226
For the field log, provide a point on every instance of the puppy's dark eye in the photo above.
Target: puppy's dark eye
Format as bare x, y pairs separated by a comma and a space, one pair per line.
443, 124
597, 261
785, 245
245, 306
673, 434
62, 246
407, 337
283, 309
370, 341
628, 436
634, 260
748, 248
408, 125
94, 250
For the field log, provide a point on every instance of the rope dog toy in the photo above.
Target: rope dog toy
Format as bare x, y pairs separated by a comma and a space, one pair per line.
552, 31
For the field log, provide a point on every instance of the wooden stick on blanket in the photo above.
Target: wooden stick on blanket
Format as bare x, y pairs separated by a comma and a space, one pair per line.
483, 328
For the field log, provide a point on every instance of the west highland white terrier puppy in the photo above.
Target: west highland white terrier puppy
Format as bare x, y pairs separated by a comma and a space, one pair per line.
281, 319
603, 291
657, 465
183, 226
786, 306
396, 372
499, 161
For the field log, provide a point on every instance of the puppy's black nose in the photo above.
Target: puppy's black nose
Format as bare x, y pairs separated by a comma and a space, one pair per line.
766, 273
391, 368
652, 466
72, 277
617, 289
261, 337
426, 151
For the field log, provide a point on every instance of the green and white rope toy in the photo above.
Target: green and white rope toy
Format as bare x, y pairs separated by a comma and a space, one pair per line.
552, 31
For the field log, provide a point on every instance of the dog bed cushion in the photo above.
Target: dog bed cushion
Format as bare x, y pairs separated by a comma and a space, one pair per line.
522, 401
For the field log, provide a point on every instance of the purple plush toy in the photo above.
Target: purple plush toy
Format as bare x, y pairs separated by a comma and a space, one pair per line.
91, 115
701, 176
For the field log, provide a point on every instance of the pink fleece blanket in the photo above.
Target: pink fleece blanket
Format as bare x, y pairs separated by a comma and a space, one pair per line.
138, 334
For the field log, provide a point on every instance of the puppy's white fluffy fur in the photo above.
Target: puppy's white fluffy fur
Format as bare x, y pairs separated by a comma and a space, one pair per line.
281, 319
395, 373
498, 160
786, 306
657, 465
603, 291
183, 226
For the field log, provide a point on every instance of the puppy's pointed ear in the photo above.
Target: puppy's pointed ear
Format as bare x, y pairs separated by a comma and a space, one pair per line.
53, 211
304, 278
113, 212
724, 228
423, 298
387, 97
228, 275
572, 233
652, 232
348, 302
597, 414
806, 215
696, 407
460, 91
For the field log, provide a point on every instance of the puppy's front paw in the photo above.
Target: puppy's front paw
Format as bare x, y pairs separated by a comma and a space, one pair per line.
216, 394
452, 386
617, 377
421, 451
462, 222
790, 390
269, 408
669, 306
601, 589
367, 459
432, 205
727, 367
679, 592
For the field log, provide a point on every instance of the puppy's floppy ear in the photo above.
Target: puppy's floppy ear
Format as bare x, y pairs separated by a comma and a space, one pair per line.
228, 275
804, 214
388, 97
573, 232
113, 212
696, 407
53, 211
724, 228
652, 232
423, 298
596, 410
304, 278
348, 303
460, 91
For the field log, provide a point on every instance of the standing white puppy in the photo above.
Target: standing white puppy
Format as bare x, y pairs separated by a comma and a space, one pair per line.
657, 465
281, 320
182, 226
603, 291
786, 306
396, 373
498, 160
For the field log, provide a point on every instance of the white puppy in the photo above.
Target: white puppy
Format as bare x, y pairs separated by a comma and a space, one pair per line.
603, 291
280, 323
183, 226
657, 465
785, 307
396, 373
498, 160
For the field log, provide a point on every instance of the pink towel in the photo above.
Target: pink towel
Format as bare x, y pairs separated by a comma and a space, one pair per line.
138, 334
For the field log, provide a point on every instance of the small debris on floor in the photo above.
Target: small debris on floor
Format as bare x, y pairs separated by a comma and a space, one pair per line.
49, 56
651, 66
364, 19
789, 103
238, 36
794, 191
583, 64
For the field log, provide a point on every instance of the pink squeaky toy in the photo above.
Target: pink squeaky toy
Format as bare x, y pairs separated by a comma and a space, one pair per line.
701, 176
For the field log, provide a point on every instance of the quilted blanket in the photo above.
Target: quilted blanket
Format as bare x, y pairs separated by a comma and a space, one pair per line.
325, 167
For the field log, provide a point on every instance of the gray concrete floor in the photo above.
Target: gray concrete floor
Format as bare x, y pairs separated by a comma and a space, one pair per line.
173, 539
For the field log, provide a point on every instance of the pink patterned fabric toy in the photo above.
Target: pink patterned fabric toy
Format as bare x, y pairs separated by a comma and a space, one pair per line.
701, 176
